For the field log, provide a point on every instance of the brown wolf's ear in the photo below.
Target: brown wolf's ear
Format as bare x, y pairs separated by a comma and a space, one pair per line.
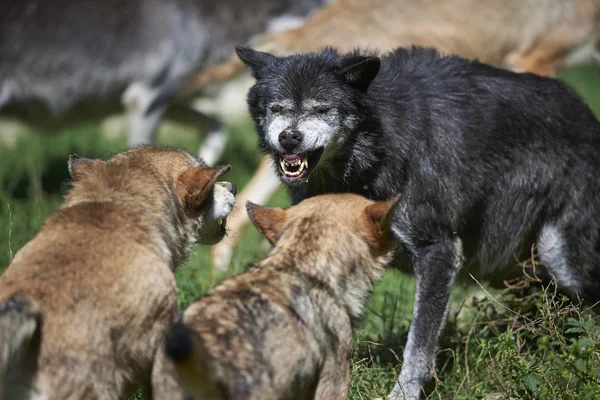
194, 185
79, 166
269, 221
378, 217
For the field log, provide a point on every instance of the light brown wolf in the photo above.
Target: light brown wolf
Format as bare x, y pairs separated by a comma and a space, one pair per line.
539, 36
283, 329
85, 304
522, 35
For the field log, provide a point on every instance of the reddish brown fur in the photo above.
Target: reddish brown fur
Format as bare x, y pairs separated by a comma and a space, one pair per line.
273, 219
524, 35
282, 330
101, 271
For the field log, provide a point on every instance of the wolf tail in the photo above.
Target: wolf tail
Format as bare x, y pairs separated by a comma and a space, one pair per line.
195, 371
20, 339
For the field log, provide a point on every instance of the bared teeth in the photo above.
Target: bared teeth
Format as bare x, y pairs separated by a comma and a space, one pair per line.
301, 164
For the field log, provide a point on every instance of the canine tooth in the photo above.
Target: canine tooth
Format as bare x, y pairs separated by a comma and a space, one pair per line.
220, 221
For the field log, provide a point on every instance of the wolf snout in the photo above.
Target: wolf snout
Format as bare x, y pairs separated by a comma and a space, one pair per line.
229, 187
290, 139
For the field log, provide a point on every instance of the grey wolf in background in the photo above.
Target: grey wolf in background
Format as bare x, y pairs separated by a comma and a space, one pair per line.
489, 163
522, 35
99, 275
283, 329
61, 54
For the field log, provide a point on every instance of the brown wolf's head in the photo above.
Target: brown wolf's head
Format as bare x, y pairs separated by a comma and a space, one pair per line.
344, 238
161, 181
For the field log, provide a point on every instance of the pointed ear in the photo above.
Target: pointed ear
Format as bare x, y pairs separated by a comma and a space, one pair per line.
377, 218
194, 185
360, 71
255, 60
269, 221
79, 166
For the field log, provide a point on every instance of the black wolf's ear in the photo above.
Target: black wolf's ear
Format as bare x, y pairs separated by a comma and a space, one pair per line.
360, 71
255, 60
378, 218
270, 221
79, 166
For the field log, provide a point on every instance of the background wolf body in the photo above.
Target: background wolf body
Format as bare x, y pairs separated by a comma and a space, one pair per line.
101, 273
282, 329
523, 35
485, 158
61, 54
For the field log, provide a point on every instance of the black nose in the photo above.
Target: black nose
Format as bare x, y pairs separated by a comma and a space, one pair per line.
289, 139
229, 186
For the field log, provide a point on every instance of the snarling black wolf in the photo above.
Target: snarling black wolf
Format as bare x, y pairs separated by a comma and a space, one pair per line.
489, 163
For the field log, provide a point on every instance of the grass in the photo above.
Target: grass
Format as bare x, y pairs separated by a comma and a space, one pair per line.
511, 344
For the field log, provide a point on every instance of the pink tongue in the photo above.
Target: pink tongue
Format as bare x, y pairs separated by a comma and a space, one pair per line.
291, 157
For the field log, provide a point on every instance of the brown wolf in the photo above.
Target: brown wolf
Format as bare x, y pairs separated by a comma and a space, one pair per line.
96, 282
522, 35
283, 329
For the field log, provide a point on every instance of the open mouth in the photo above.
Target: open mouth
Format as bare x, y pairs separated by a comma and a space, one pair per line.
222, 223
295, 168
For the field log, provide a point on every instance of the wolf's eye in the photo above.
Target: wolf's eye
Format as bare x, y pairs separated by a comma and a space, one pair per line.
275, 109
322, 109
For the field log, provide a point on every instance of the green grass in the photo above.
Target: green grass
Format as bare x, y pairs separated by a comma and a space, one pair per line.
516, 344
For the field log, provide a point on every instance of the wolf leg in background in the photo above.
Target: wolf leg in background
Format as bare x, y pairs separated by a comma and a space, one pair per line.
143, 114
488, 160
260, 189
524, 35
283, 329
222, 103
127, 222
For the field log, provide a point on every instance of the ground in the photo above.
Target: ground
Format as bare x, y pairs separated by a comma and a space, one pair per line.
513, 344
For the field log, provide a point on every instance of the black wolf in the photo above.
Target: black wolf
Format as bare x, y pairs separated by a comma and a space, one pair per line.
489, 163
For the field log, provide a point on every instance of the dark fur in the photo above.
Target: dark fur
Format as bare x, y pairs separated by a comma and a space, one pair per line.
487, 159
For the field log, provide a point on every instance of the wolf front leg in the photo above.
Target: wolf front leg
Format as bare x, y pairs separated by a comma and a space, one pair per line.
334, 382
435, 267
145, 107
